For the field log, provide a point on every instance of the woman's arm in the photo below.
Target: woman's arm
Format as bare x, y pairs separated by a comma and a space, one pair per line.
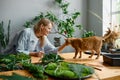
27, 42
22, 44
49, 48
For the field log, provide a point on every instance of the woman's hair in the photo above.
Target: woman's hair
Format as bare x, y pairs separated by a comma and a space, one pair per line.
43, 22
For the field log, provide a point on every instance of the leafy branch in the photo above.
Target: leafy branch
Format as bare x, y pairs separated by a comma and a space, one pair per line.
65, 26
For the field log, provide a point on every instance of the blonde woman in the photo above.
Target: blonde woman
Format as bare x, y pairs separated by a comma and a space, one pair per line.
34, 42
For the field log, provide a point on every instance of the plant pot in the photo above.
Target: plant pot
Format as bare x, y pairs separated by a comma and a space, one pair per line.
57, 41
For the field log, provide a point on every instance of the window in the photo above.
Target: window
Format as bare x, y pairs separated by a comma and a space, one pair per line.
111, 13
115, 11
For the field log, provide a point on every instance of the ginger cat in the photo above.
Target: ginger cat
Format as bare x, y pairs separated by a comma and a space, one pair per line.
94, 44
80, 45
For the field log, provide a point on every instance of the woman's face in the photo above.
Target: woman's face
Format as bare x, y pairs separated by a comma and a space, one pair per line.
45, 30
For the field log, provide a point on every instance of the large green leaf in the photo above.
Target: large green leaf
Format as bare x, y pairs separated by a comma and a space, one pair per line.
15, 76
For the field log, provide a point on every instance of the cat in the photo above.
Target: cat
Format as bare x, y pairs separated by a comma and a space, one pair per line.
110, 41
80, 45
93, 43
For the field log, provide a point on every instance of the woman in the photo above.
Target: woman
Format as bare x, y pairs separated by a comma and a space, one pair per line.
34, 42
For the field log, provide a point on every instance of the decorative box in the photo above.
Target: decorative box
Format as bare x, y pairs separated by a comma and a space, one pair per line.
112, 59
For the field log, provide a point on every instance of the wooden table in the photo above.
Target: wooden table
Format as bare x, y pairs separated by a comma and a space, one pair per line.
102, 70
107, 72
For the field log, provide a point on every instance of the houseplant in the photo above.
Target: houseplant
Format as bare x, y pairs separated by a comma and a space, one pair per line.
66, 26
88, 34
4, 38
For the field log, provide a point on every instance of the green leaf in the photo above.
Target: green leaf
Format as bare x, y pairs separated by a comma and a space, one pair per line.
15, 76
75, 15
79, 26
59, 1
81, 70
51, 57
13, 62
36, 70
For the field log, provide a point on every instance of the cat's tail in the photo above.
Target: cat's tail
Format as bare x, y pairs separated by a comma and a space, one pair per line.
107, 35
61, 47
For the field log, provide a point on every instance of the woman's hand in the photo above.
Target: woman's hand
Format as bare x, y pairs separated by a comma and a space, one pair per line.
37, 54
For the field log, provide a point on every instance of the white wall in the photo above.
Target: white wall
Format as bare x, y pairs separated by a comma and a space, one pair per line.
20, 11
106, 15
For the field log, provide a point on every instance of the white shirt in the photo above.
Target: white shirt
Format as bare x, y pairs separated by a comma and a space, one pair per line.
28, 42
